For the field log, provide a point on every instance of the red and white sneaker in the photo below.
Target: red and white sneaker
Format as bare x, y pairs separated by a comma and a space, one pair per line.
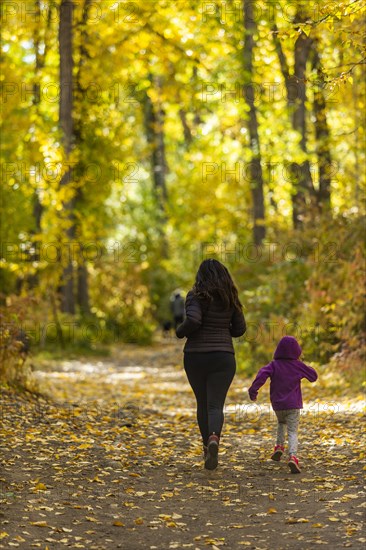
278, 452
211, 459
294, 465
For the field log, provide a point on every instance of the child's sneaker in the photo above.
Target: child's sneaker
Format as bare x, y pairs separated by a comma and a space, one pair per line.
294, 465
211, 460
278, 452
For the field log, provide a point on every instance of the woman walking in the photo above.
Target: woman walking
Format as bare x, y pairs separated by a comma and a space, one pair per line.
213, 316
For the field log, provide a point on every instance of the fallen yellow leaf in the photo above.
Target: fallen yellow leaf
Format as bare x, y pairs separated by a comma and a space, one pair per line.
297, 520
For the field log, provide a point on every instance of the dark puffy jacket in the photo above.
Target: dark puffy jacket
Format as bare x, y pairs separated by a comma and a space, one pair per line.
210, 328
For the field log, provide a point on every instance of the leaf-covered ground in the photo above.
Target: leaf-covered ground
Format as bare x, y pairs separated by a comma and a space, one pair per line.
114, 461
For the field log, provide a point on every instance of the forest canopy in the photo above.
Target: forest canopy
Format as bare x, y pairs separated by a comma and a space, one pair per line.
141, 137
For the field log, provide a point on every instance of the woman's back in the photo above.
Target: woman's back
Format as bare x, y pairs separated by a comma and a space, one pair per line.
213, 316
209, 326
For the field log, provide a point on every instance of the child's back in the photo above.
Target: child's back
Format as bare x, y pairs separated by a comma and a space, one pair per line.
286, 372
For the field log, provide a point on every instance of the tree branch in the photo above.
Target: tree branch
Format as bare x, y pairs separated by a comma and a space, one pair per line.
280, 53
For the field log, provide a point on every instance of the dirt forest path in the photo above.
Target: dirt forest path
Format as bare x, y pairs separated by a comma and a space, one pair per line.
115, 461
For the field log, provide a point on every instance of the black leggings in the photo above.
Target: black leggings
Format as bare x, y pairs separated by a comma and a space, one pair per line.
210, 375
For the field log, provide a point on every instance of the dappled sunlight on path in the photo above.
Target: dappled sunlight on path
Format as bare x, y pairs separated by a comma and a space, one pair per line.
115, 461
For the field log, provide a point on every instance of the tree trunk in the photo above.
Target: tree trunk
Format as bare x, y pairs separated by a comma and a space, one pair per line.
33, 279
154, 125
256, 175
322, 135
56, 319
37, 207
82, 270
186, 129
83, 289
296, 101
301, 174
66, 126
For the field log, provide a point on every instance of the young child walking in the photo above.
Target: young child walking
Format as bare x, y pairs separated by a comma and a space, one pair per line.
286, 372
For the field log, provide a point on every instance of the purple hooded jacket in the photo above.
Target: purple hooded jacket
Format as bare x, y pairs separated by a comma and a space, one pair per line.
285, 372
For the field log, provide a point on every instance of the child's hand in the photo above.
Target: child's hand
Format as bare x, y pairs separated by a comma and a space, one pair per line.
252, 397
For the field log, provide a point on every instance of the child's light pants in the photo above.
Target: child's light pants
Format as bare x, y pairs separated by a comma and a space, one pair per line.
290, 418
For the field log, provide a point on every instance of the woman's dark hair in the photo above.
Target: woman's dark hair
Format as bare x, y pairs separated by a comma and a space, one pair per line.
214, 280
